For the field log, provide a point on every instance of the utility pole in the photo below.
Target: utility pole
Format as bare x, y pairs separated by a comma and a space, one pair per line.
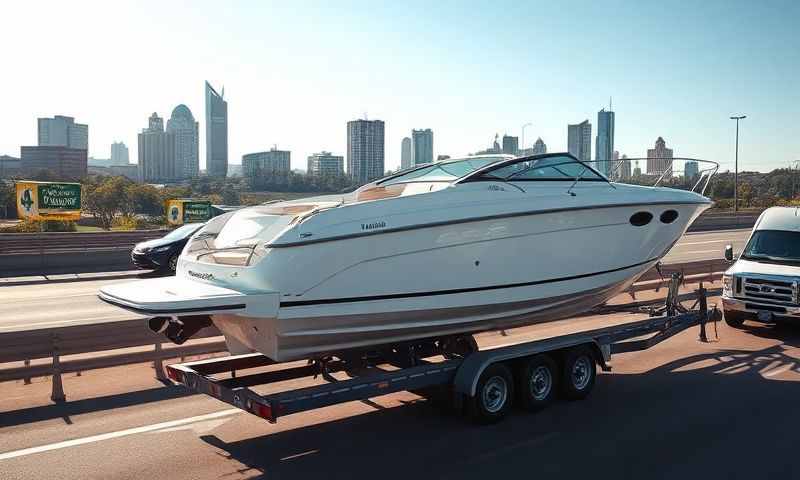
736, 166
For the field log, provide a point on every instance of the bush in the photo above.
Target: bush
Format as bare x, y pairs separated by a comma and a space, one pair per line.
59, 226
127, 222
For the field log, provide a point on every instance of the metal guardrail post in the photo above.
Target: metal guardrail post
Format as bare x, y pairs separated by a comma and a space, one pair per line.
58, 389
158, 364
27, 380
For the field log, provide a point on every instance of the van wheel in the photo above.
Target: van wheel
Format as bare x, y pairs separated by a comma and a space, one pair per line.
735, 319
579, 373
537, 382
493, 394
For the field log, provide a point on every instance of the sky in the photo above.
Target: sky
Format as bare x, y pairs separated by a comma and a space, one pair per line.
295, 72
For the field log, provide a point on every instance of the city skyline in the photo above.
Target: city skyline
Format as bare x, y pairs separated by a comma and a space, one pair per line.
547, 91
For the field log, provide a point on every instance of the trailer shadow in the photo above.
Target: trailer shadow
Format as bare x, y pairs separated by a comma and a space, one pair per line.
693, 416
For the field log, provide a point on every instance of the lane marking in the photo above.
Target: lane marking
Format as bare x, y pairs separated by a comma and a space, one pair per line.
117, 434
26, 326
679, 244
779, 370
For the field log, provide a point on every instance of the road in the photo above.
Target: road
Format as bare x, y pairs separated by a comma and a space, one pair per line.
683, 409
62, 304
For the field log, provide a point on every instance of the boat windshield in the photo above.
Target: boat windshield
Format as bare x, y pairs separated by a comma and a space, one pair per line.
555, 167
773, 246
443, 171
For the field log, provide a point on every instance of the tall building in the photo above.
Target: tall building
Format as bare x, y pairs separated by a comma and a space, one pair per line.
659, 159
269, 162
622, 167
365, 152
579, 140
406, 155
119, 154
187, 142
157, 152
130, 170
61, 131
67, 163
539, 147
604, 146
216, 133
422, 141
691, 170
510, 145
637, 171
324, 164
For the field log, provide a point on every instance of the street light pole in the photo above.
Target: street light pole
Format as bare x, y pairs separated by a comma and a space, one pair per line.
523, 134
736, 166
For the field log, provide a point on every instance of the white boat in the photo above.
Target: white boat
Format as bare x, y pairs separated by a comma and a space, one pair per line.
456, 247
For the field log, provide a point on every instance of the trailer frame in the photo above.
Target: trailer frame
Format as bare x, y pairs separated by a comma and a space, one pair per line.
462, 373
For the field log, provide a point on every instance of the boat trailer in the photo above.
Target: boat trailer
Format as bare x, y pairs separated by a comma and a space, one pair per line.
482, 380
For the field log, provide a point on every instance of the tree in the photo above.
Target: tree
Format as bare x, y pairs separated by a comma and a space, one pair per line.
106, 199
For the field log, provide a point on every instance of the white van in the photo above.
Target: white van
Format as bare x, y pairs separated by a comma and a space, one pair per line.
764, 282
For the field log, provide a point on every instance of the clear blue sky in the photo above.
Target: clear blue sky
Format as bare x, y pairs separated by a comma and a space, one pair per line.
295, 73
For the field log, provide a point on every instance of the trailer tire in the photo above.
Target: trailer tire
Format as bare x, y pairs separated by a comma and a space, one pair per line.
537, 382
493, 394
579, 373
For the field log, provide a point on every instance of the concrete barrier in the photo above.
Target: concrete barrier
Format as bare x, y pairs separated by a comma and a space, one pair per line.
724, 220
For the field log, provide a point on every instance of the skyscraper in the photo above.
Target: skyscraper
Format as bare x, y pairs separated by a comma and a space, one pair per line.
510, 145
324, 164
216, 133
61, 131
365, 153
406, 155
187, 142
422, 141
156, 152
119, 154
622, 167
691, 170
659, 159
539, 147
579, 140
604, 147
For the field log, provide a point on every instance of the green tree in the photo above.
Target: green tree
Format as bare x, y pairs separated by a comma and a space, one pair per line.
106, 199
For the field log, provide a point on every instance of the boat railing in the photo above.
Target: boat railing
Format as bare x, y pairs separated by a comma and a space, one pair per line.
684, 173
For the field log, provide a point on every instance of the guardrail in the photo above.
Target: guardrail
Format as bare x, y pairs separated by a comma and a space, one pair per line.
56, 343
63, 242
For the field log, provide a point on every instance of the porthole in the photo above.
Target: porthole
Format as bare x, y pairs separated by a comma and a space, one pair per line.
669, 216
640, 219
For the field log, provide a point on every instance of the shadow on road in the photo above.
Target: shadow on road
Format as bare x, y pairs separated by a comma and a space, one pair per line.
720, 414
68, 409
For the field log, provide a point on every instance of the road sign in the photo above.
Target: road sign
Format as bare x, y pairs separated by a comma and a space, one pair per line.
48, 200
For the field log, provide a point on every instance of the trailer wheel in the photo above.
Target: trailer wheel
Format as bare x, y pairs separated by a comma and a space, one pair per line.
579, 373
493, 394
537, 382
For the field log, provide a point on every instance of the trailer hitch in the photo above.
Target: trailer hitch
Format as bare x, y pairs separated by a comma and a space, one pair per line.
179, 329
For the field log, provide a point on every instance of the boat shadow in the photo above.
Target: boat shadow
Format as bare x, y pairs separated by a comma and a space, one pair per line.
685, 418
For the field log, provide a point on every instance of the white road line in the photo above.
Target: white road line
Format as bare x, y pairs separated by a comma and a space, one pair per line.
699, 251
680, 244
118, 434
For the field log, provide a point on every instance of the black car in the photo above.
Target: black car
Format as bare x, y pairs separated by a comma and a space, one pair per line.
162, 253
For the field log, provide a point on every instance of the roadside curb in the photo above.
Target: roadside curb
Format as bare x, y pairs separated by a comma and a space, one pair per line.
70, 277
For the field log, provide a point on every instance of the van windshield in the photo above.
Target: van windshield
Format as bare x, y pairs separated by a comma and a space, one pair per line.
774, 246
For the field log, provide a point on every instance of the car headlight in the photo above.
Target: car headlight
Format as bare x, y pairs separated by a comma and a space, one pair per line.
161, 249
727, 285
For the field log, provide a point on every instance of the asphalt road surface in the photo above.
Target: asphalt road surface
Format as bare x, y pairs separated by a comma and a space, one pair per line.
61, 304
682, 409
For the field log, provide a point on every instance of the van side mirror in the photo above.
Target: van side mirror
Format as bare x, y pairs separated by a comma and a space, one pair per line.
729, 253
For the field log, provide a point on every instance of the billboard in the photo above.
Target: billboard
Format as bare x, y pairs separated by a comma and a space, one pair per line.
180, 211
48, 200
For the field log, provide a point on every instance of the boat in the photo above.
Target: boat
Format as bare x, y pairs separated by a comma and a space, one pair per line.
434, 252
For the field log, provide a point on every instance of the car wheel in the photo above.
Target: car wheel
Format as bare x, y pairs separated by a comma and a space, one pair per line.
173, 263
735, 319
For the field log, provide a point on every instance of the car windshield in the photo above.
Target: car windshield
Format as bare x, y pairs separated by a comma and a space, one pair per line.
557, 167
773, 245
183, 231
442, 172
